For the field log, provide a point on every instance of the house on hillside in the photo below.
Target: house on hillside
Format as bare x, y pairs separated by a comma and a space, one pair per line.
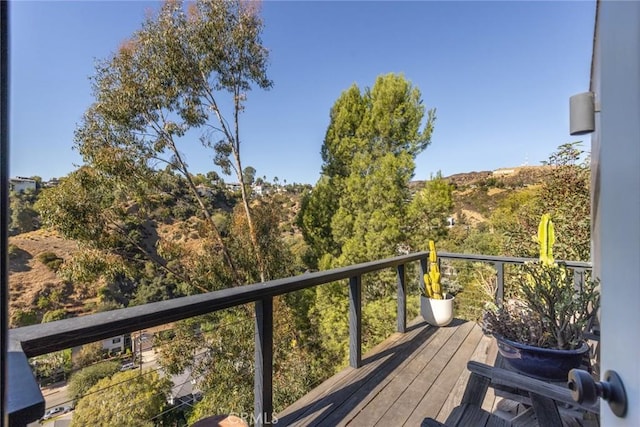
111, 346
20, 184
114, 345
233, 186
53, 182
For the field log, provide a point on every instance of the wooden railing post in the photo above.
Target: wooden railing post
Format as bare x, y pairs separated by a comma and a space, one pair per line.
499, 282
263, 380
578, 279
423, 270
355, 321
402, 298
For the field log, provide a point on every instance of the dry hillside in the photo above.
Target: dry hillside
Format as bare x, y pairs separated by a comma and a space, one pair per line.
477, 194
28, 276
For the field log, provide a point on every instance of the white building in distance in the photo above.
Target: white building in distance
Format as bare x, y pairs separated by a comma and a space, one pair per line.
20, 184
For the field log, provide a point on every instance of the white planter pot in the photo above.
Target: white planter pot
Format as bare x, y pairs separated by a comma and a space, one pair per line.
437, 312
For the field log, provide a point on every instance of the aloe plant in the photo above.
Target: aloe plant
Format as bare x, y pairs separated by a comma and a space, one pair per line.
432, 284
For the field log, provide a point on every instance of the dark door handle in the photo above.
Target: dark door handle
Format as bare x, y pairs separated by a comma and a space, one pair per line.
584, 389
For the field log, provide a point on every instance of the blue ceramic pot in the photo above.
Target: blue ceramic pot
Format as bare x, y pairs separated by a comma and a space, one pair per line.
542, 363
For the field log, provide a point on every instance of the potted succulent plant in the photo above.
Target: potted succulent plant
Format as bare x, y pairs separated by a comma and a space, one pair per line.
540, 331
436, 305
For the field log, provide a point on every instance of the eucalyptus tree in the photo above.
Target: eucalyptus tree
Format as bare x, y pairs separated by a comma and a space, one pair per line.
171, 79
113, 223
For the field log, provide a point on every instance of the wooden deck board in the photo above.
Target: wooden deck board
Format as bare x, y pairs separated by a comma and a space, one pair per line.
402, 408
368, 381
490, 400
351, 410
334, 393
372, 413
404, 379
335, 382
437, 395
481, 355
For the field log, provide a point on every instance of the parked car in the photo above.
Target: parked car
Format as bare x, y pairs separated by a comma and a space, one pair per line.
127, 366
58, 410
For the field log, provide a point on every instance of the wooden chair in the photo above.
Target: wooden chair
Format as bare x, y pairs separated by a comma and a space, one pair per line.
546, 400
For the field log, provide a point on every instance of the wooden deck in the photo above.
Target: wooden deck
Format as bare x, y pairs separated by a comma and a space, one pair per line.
408, 377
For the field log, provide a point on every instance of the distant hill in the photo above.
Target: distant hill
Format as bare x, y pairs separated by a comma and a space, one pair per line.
515, 177
476, 194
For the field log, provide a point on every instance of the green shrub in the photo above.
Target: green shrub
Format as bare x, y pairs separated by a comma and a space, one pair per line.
89, 354
23, 318
13, 251
90, 306
51, 260
52, 367
43, 303
54, 315
108, 306
50, 298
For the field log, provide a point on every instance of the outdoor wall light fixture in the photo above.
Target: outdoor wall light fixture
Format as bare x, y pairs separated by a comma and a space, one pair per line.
582, 115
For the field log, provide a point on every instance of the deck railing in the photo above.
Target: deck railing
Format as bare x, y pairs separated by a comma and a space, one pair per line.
25, 400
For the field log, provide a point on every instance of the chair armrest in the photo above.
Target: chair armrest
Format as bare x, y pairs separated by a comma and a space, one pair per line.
430, 422
503, 377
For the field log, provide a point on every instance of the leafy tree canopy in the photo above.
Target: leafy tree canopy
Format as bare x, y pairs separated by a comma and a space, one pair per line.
23, 216
124, 399
174, 75
82, 380
428, 212
565, 194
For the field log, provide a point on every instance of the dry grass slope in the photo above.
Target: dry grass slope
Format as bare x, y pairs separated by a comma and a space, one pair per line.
28, 276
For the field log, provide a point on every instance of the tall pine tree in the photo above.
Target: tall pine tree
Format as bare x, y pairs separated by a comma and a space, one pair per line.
357, 210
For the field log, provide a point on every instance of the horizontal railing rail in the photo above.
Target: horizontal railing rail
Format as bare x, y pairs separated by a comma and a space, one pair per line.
579, 267
26, 403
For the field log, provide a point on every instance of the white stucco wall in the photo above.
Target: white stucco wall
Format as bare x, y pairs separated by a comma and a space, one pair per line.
110, 345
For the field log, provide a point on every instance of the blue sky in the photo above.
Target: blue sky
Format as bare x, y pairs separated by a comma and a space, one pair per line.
499, 73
